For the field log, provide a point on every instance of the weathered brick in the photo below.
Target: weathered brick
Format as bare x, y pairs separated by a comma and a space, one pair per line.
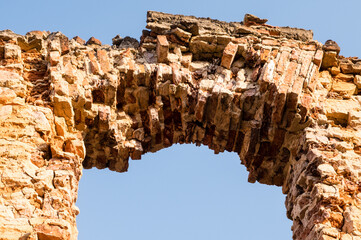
283, 89
306, 61
54, 58
306, 100
265, 54
312, 79
177, 75
345, 77
12, 51
162, 48
293, 96
317, 59
295, 54
335, 70
350, 68
270, 42
274, 53
186, 59
79, 40
94, 41
7, 95
308, 46
228, 55
103, 60
290, 43
94, 65
267, 75
282, 62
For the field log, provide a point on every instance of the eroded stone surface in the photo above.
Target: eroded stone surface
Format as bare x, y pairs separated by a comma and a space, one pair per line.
288, 105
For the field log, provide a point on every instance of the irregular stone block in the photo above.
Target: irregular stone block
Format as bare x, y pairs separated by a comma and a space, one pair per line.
162, 49
345, 89
228, 55
7, 95
12, 51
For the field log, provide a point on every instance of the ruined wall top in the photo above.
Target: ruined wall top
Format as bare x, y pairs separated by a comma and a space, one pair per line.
162, 23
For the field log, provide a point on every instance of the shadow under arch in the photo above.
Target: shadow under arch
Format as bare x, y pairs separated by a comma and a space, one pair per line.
180, 192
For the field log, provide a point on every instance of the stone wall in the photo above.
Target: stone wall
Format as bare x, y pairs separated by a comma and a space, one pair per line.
288, 105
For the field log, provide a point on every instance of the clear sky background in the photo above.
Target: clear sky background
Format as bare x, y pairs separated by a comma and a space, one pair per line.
182, 192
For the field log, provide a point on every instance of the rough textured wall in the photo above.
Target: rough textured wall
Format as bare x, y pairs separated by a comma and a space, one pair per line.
288, 105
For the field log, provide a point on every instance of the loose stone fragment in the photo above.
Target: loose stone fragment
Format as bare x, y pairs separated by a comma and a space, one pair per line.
94, 41
228, 55
250, 19
79, 40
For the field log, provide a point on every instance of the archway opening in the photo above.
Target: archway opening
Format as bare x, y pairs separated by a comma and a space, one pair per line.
182, 192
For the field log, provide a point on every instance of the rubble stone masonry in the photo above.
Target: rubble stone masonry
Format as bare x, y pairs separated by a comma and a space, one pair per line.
288, 105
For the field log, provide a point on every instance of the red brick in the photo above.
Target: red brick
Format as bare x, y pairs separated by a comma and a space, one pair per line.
162, 48
265, 54
54, 58
7, 95
281, 65
263, 31
177, 76
200, 107
228, 55
128, 54
94, 66
292, 98
290, 43
240, 40
283, 89
278, 107
47, 231
289, 76
36, 33
64, 45
79, 40
313, 78
317, 59
306, 100
267, 75
270, 42
295, 54
306, 59
274, 53
103, 60
69, 73
93, 41
186, 59
140, 75
308, 46
274, 32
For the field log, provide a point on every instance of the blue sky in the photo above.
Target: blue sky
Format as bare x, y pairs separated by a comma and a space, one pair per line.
182, 192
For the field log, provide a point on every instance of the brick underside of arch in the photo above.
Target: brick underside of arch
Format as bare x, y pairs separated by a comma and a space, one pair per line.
288, 105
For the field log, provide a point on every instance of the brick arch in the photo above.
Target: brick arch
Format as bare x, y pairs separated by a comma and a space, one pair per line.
288, 105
